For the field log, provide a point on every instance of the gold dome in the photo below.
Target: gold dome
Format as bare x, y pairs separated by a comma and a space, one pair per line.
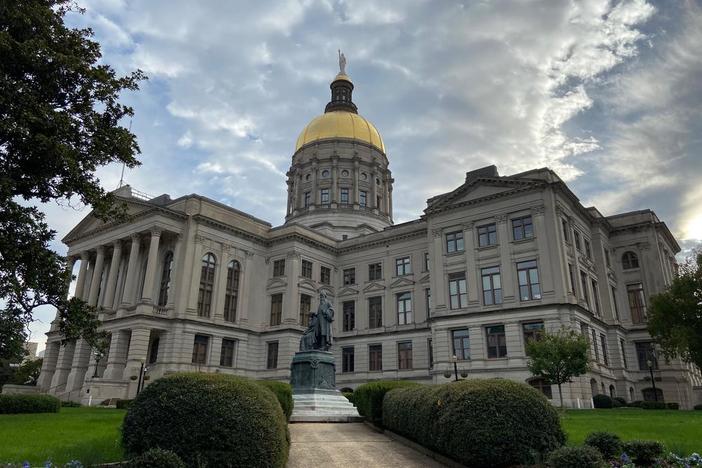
340, 124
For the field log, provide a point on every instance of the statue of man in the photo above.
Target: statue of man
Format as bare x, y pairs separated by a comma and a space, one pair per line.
342, 63
325, 317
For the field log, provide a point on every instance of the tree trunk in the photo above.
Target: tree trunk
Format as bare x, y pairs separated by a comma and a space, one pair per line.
560, 395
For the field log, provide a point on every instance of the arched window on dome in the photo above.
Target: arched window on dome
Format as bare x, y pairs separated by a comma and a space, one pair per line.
165, 284
630, 260
207, 272
232, 291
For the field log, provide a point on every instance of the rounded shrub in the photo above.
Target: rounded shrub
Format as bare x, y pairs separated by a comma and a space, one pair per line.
652, 405
123, 404
607, 443
576, 457
368, 398
635, 404
643, 452
283, 392
620, 400
673, 406
602, 401
479, 423
697, 407
156, 457
12, 404
208, 420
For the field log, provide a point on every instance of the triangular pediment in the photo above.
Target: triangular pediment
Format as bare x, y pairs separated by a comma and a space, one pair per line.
401, 282
276, 283
477, 190
373, 287
347, 291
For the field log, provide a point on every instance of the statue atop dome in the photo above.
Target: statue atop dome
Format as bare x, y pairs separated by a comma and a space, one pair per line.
342, 63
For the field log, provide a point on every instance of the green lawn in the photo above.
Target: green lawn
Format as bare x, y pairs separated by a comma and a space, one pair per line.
680, 431
90, 435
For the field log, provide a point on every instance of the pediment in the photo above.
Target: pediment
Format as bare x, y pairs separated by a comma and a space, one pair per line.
347, 291
425, 279
276, 283
373, 287
476, 190
401, 282
480, 191
91, 223
307, 284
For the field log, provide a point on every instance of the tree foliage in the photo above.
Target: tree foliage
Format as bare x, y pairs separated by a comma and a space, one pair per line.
28, 372
558, 357
675, 315
59, 121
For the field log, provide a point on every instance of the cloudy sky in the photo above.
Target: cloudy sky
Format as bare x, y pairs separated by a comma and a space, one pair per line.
606, 93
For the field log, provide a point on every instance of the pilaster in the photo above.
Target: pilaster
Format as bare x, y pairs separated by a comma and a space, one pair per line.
48, 366
132, 273
63, 367
151, 267
97, 275
117, 355
81, 358
113, 275
506, 268
82, 274
291, 302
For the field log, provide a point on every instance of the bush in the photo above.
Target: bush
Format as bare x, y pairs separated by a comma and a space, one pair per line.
70, 404
608, 444
620, 400
643, 452
479, 423
674, 406
697, 407
575, 457
283, 392
13, 404
652, 405
123, 404
208, 420
156, 457
349, 396
635, 404
602, 401
368, 398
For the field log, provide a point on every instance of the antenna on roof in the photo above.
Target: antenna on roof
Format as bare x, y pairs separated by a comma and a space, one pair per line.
121, 177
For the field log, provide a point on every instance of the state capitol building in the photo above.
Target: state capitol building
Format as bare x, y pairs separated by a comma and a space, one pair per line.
190, 284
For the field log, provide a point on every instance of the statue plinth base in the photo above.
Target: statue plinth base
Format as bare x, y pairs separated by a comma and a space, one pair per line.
313, 379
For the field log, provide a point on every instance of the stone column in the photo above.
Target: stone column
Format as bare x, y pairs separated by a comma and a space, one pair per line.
113, 275
97, 274
138, 347
356, 165
48, 366
80, 281
132, 273
373, 202
220, 283
315, 183
151, 267
438, 281
298, 193
473, 278
545, 263
81, 359
117, 355
291, 301
196, 268
242, 314
185, 264
63, 368
390, 198
176, 272
335, 180
507, 274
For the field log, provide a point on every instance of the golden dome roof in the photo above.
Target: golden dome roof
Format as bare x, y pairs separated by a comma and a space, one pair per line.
340, 124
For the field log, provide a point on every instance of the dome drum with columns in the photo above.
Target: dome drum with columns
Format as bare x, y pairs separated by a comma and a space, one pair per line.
339, 182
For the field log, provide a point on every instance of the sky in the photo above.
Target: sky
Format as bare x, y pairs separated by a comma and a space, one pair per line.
606, 93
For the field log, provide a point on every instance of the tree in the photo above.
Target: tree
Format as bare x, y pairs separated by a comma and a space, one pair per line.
59, 121
28, 372
675, 315
558, 357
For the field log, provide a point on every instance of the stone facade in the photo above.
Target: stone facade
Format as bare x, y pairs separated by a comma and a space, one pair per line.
192, 284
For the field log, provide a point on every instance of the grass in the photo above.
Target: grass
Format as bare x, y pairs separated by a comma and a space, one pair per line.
680, 431
90, 435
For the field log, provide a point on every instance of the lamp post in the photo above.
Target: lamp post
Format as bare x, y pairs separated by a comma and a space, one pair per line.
455, 367
649, 362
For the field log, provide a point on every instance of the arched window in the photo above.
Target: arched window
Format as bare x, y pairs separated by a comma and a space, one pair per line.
630, 260
165, 279
204, 298
631, 393
593, 387
650, 395
542, 386
232, 292
612, 391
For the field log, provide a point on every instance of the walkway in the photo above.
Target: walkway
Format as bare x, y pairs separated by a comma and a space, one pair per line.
349, 445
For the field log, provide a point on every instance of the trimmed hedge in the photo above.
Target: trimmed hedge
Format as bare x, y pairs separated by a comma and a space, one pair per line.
368, 398
479, 423
575, 457
123, 404
620, 400
672, 405
697, 407
283, 392
70, 404
14, 404
156, 457
643, 452
635, 404
602, 401
608, 444
208, 420
652, 405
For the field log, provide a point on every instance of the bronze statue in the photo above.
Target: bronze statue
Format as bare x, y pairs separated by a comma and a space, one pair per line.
319, 332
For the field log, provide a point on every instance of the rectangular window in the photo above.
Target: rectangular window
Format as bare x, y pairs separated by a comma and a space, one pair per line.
608, 262
529, 287
603, 343
375, 271
324, 196
200, 349
325, 275
305, 307
615, 309
272, 355
583, 285
404, 308
532, 331
622, 349
454, 242
645, 353
349, 276
426, 261
564, 225
344, 196
404, 355
349, 312
458, 290
576, 237
492, 286
461, 344
347, 358
522, 228
307, 269
594, 346
588, 249
226, 357
378, 200
375, 357
637, 302
363, 198
427, 299
496, 341
279, 267
571, 274
375, 312
430, 348
276, 309
487, 235
403, 266
595, 297
307, 199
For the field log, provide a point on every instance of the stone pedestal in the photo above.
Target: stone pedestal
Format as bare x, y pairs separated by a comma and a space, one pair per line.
313, 379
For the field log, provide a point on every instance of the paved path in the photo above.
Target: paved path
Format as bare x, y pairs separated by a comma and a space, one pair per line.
349, 445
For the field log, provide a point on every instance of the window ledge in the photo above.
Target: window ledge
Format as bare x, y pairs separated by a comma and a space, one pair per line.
523, 241
456, 253
487, 247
